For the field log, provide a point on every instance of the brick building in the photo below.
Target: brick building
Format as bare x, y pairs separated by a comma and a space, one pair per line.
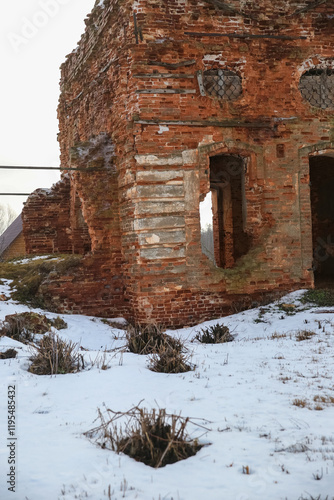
12, 242
165, 101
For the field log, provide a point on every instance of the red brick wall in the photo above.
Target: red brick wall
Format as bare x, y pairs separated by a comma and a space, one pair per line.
46, 220
132, 110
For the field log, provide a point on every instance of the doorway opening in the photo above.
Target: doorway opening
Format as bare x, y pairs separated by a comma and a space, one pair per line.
81, 242
228, 240
322, 206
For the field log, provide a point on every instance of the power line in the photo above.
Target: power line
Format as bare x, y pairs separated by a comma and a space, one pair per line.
22, 167
11, 167
39, 168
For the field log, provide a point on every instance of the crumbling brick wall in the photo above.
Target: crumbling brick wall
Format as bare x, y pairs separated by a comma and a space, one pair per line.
141, 121
46, 223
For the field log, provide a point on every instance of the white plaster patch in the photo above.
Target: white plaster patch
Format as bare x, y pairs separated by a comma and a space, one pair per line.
152, 240
213, 57
163, 129
207, 139
159, 160
189, 156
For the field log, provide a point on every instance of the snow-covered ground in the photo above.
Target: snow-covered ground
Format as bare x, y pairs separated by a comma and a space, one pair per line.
243, 392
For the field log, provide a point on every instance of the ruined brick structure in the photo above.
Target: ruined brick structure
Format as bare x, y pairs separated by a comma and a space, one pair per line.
165, 101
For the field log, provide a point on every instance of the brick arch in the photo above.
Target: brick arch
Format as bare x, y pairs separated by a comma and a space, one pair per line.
253, 155
318, 149
315, 61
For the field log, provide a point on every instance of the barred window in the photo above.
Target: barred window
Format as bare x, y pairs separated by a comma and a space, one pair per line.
222, 83
317, 87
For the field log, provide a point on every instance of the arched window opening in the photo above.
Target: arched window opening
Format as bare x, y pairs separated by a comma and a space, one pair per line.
317, 87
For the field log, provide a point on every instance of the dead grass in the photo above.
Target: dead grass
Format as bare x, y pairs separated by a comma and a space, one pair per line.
9, 354
114, 324
149, 339
150, 436
304, 335
101, 361
276, 336
14, 328
56, 356
216, 334
28, 277
169, 359
320, 402
302, 403
23, 326
289, 309
324, 400
319, 497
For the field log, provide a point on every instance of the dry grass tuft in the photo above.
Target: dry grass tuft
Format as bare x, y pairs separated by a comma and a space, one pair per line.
56, 356
216, 334
23, 326
149, 339
302, 403
9, 354
320, 402
319, 497
169, 359
151, 436
324, 400
14, 327
276, 336
304, 335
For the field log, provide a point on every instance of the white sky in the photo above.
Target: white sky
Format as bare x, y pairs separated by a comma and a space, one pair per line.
36, 35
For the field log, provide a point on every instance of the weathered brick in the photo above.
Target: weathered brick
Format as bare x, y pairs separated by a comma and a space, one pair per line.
146, 159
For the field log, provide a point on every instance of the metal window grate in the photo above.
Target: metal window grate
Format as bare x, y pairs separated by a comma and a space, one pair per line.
317, 87
222, 83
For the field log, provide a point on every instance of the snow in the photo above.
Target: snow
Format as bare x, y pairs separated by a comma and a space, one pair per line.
32, 259
242, 391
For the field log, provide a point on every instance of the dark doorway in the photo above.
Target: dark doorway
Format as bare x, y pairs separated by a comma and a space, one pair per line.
227, 184
81, 242
322, 204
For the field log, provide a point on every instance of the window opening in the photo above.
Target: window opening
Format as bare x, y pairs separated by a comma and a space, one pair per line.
81, 242
222, 83
317, 87
229, 211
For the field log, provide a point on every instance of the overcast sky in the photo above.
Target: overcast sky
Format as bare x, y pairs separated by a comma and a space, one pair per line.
36, 35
